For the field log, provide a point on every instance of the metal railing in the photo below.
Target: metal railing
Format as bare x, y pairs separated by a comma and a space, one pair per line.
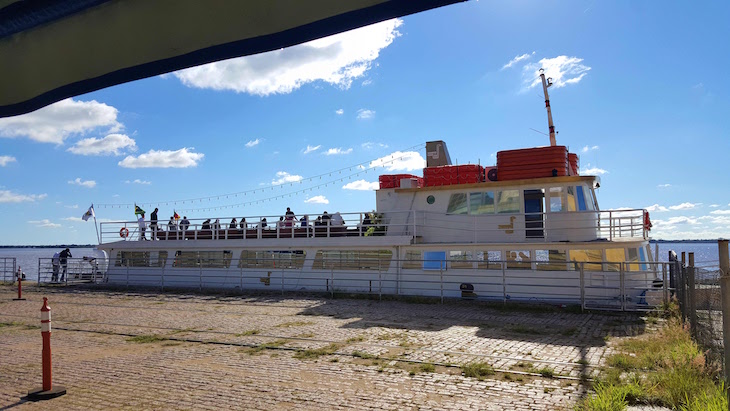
75, 270
633, 287
7, 269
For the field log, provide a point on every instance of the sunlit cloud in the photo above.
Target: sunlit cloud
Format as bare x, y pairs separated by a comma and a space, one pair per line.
7, 196
310, 149
517, 59
337, 60
664, 185
400, 161
365, 114
45, 223
340, 112
720, 212
656, 208
368, 145
361, 185
563, 70
592, 171
714, 205
586, 149
113, 144
5, 160
684, 206
80, 182
337, 151
55, 123
283, 177
317, 200
163, 159
138, 181
253, 143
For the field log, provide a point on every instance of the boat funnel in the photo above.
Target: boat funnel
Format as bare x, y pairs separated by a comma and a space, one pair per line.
437, 154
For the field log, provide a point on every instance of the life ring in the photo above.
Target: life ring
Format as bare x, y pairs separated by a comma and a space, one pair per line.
647, 221
124, 233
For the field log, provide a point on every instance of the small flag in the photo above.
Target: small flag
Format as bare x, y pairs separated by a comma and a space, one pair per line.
88, 214
138, 210
176, 216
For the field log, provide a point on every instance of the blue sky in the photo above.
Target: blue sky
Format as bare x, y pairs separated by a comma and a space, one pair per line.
641, 93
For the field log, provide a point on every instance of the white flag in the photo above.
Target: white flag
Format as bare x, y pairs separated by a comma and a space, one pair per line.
89, 213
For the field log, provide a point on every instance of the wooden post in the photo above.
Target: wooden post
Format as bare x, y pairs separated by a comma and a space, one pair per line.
691, 295
722, 246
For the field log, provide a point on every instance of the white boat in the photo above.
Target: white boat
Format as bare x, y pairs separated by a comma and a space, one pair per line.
528, 230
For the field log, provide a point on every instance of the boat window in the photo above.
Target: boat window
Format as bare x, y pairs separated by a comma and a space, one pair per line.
633, 258
592, 258
203, 259
556, 199
141, 259
481, 203
581, 198
642, 256
414, 259
550, 260
518, 260
508, 201
272, 259
590, 200
352, 260
570, 192
489, 260
460, 259
434, 260
457, 204
614, 256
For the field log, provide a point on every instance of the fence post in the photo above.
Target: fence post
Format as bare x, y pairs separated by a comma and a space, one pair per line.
504, 283
692, 296
441, 281
621, 278
582, 288
722, 246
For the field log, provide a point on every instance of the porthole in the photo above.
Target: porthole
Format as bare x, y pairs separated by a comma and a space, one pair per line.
430, 199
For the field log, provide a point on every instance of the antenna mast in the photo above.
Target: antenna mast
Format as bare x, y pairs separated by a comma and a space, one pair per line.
545, 84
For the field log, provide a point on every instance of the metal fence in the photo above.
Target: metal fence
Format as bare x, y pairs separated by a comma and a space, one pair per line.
7, 269
75, 270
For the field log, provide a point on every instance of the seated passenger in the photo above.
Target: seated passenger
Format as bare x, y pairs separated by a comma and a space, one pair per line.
337, 220
233, 224
206, 225
303, 221
242, 224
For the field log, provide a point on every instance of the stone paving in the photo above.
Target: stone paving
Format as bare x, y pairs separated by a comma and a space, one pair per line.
265, 352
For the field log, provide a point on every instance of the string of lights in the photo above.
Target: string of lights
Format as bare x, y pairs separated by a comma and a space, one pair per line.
381, 162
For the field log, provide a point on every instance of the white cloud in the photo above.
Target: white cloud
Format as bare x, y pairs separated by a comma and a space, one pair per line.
54, 123
714, 205
367, 82
317, 200
7, 196
361, 185
517, 59
284, 177
138, 181
400, 161
587, 149
368, 145
75, 206
664, 185
563, 70
718, 212
74, 219
309, 148
592, 171
365, 114
674, 221
163, 159
337, 60
79, 182
115, 144
337, 151
657, 208
339, 112
5, 160
45, 223
684, 206
253, 143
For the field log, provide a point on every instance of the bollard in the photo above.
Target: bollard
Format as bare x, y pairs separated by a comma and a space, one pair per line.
20, 289
47, 391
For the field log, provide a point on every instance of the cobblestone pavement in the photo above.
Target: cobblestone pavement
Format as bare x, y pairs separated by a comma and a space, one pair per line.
147, 350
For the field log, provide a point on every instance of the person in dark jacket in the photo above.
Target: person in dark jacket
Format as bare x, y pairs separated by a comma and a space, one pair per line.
153, 224
63, 259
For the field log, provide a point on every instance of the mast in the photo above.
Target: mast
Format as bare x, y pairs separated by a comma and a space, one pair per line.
545, 84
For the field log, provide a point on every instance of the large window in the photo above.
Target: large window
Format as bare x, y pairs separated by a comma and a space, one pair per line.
272, 259
457, 204
556, 199
203, 259
481, 203
460, 259
518, 260
570, 191
550, 260
592, 258
508, 201
352, 260
414, 259
614, 256
581, 198
489, 260
141, 259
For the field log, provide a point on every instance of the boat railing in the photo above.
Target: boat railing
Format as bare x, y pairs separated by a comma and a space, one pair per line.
75, 270
356, 224
624, 223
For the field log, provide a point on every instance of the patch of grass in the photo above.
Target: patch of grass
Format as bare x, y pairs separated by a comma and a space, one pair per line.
295, 324
11, 324
363, 355
582, 362
508, 377
359, 338
426, 367
306, 335
184, 330
546, 372
388, 336
146, 339
260, 348
247, 333
477, 370
312, 354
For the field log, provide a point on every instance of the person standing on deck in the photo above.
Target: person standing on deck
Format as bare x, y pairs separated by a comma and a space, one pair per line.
184, 224
289, 217
63, 259
142, 227
56, 265
153, 224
